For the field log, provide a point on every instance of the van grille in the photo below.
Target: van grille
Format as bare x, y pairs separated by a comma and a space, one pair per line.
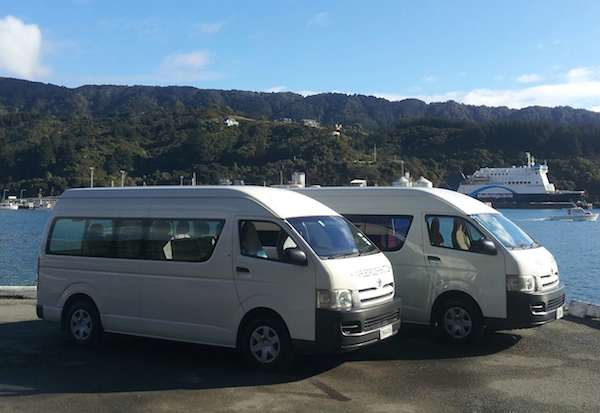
370, 324
543, 308
382, 320
549, 282
372, 296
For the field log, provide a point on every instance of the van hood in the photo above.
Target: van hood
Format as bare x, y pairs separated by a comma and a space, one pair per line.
532, 261
367, 271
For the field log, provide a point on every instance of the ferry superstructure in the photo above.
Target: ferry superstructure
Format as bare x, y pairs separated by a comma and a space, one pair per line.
524, 184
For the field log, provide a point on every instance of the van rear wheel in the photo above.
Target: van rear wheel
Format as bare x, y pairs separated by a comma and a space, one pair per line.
460, 322
84, 325
266, 344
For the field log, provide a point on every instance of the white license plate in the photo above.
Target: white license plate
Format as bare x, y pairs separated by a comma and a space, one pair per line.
386, 332
559, 313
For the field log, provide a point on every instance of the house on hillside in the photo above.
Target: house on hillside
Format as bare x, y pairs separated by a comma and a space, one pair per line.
310, 122
230, 122
338, 129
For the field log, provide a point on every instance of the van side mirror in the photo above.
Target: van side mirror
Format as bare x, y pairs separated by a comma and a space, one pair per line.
295, 256
485, 246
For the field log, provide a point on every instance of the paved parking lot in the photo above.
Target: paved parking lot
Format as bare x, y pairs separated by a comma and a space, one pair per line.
554, 368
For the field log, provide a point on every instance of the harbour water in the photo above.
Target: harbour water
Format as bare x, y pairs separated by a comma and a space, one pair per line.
575, 245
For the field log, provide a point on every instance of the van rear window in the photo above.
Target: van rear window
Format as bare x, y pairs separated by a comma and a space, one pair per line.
388, 232
142, 239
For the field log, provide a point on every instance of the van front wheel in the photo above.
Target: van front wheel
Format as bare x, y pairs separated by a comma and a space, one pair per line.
266, 344
460, 322
84, 324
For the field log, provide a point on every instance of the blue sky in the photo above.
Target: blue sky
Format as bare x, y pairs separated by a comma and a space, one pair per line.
511, 53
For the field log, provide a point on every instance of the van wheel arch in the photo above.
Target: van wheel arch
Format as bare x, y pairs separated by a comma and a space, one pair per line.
468, 307
272, 321
64, 322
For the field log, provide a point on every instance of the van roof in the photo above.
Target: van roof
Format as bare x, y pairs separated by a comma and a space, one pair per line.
280, 202
456, 200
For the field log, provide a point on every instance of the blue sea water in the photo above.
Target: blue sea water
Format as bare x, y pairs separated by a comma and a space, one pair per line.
575, 245
20, 236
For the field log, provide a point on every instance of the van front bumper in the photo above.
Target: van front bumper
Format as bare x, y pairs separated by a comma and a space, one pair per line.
339, 331
525, 310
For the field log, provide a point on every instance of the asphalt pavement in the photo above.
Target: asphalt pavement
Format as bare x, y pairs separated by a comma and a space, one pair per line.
553, 368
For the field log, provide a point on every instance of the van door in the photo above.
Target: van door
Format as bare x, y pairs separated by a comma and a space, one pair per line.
455, 263
399, 237
187, 290
264, 280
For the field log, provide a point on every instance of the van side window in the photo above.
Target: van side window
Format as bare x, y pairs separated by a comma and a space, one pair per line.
159, 234
263, 239
161, 239
386, 231
97, 238
66, 236
195, 240
130, 235
453, 232
182, 240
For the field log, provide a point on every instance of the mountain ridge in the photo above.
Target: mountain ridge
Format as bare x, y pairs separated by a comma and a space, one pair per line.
370, 112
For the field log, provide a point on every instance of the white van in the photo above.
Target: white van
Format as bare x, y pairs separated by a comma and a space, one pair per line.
458, 263
264, 270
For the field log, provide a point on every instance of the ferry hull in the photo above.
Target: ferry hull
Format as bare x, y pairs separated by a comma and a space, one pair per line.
504, 197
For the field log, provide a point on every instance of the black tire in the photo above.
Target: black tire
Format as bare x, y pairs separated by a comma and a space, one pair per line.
83, 324
266, 344
460, 322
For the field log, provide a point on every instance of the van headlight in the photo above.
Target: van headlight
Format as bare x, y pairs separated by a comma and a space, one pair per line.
334, 299
524, 284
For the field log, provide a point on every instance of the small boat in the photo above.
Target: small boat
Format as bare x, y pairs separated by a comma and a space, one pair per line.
575, 214
8, 206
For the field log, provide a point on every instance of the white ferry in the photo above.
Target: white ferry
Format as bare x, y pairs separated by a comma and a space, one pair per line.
524, 184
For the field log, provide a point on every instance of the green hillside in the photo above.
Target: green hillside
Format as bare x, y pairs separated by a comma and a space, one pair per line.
159, 146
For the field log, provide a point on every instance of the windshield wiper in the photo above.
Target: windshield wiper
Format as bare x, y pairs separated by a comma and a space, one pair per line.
343, 255
521, 246
369, 249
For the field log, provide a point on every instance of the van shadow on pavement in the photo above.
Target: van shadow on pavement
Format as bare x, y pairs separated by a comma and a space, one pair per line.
35, 358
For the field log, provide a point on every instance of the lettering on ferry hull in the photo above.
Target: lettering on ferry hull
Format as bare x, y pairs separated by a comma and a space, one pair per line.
494, 196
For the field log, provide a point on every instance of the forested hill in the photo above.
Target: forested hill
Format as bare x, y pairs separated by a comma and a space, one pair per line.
327, 109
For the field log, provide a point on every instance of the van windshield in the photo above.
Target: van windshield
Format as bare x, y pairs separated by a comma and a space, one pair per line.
506, 231
333, 237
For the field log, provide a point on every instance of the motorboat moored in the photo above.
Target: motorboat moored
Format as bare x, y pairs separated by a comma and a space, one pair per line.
8, 206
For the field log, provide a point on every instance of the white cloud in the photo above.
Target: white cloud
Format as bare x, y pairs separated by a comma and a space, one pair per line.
430, 79
275, 89
186, 62
529, 78
306, 93
187, 67
582, 74
20, 49
206, 28
579, 88
320, 19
